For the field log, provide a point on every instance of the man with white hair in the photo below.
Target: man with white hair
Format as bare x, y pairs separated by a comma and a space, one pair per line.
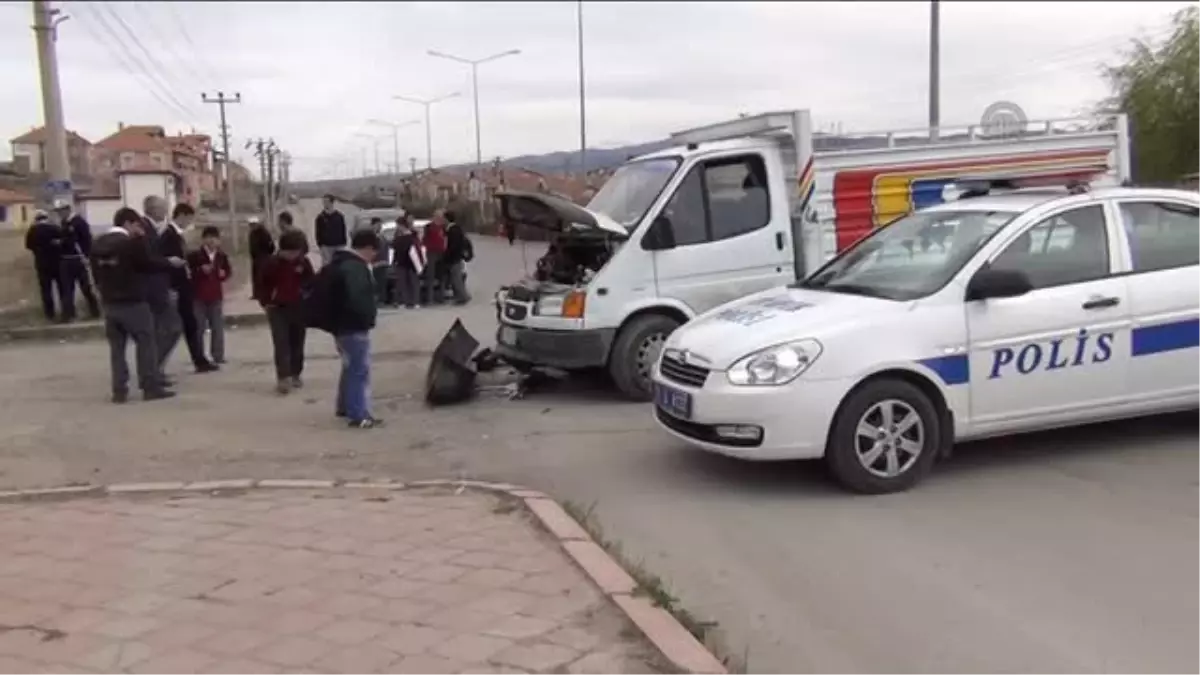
163, 300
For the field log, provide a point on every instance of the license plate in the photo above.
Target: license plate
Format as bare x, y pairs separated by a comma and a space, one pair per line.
508, 336
675, 402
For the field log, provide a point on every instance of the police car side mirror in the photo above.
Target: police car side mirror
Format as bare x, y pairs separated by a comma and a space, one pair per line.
998, 283
660, 236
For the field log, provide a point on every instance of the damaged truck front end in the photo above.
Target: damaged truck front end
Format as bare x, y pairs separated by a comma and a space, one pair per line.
541, 319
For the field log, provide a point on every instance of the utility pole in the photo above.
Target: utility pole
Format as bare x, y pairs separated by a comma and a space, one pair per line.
582, 101
54, 157
412, 166
221, 100
285, 172
474, 64
934, 70
395, 127
272, 155
260, 151
428, 103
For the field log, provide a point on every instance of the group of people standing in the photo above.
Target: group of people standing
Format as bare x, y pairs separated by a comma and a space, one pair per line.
60, 250
153, 292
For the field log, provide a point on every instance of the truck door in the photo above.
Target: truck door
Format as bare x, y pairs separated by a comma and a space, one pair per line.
1060, 351
730, 230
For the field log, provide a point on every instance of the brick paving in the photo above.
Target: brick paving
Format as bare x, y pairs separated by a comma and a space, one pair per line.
272, 581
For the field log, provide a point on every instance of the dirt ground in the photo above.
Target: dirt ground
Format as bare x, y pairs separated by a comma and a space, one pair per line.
57, 425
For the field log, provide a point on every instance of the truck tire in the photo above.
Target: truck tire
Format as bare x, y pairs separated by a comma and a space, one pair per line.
885, 438
635, 351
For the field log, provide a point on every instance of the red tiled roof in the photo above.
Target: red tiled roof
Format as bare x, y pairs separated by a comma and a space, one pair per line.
135, 138
14, 197
38, 135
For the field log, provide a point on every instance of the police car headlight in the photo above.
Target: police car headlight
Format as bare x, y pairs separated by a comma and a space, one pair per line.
775, 365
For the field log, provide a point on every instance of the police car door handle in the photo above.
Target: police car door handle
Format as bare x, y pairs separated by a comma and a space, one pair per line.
1098, 302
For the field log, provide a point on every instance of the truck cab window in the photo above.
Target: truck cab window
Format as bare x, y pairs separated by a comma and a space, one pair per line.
720, 199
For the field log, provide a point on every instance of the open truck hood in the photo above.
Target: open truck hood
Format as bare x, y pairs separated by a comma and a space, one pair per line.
547, 212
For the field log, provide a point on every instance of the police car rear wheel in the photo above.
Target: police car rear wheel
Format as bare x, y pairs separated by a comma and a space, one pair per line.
885, 438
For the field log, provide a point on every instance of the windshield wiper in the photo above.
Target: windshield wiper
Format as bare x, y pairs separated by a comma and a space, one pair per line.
854, 289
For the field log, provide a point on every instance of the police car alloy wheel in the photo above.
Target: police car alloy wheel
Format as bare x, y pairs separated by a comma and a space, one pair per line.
884, 439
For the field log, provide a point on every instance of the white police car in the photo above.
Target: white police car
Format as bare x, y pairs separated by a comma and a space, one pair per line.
991, 315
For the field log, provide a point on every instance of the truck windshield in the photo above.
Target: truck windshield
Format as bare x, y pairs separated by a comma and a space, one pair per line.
629, 192
911, 257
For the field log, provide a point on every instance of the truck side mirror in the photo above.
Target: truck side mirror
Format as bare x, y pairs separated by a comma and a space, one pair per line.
998, 283
660, 236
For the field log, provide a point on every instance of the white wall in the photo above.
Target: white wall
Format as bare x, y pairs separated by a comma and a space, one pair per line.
135, 187
99, 213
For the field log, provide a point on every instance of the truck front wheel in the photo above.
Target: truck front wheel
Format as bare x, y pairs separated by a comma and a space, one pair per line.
636, 351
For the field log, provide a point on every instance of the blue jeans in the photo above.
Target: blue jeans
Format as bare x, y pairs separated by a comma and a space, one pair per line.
354, 384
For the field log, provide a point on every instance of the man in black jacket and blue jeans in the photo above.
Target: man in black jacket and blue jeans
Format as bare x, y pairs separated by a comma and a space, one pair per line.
353, 319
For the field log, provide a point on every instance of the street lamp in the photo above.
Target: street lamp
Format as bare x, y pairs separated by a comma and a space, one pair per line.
582, 100
474, 63
428, 129
395, 127
374, 140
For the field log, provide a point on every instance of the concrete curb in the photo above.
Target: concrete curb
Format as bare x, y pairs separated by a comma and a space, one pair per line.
668, 636
94, 330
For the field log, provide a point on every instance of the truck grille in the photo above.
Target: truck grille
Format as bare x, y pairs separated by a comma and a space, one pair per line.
521, 294
683, 373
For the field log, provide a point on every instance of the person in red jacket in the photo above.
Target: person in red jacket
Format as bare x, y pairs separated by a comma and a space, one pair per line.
282, 282
434, 240
210, 269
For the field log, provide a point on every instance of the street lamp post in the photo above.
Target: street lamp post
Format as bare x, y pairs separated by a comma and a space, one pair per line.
428, 103
374, 141
582, 101
474, 63
395, 127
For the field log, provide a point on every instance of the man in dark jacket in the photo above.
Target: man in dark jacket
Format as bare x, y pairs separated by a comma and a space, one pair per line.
121, 260
352, 324
162, 298
73, 267
172, 245
262, 246
44, 241
330, 230
458, 252
409, 261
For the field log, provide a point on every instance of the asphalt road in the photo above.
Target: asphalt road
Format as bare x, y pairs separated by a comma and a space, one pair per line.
1069, 551
1072, 551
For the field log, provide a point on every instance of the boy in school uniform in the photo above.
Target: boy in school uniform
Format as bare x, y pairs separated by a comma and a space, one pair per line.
210, 269
282, 282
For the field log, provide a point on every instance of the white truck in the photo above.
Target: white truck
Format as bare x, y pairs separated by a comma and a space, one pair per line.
742, 206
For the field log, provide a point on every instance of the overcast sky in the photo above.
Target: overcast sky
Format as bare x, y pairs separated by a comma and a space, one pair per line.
312, 74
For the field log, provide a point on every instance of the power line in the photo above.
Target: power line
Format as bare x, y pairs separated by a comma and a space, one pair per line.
120, 61
188, 112
201, 59
184, 64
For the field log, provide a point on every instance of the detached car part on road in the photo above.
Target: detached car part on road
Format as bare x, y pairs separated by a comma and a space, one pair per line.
993, 315
742, 206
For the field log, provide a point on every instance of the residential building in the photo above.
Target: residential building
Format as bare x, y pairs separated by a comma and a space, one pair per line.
147, 148
16, 209
29, 151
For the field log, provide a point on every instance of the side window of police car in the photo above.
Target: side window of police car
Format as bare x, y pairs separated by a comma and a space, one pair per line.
720, 199
1162, 235
1066, 248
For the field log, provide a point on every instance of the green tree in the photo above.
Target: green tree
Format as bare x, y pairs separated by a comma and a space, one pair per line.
1156, 85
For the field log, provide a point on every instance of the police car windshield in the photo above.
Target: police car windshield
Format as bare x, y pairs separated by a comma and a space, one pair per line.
911, 257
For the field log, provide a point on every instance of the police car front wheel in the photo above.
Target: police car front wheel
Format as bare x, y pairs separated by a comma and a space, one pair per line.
885, 437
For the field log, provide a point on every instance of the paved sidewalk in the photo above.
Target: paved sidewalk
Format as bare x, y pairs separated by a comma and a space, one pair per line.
272, 581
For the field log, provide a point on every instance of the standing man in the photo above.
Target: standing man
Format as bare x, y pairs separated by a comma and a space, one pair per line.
121, 260
285, 278
76, 247
172, 245
353, 319
287, 224
409, 261
459, 252
330, 230
210, 269
434, 240
164, 304
44, 241
262, 246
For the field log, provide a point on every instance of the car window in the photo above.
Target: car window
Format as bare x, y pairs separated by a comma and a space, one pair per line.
1162, 235
1067, 248
685, 210
720, 199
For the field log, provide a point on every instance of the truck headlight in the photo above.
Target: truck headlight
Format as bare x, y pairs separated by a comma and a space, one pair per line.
774, 365
569, 306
